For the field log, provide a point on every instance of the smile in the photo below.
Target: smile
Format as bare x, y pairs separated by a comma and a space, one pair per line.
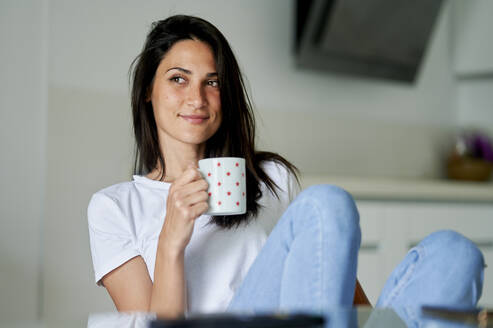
194, 119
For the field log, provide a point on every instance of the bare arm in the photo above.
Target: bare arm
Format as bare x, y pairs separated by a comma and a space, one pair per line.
169, 294
130, 285
131, 288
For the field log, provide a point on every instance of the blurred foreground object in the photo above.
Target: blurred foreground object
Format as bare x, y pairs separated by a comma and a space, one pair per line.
471, 158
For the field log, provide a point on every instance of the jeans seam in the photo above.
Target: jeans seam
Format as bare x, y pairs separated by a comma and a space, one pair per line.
319, 285
406, 277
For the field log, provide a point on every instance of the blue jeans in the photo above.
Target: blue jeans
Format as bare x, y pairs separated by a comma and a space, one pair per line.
309, 261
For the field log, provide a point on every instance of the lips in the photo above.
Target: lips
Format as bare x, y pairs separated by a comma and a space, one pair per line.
194, 119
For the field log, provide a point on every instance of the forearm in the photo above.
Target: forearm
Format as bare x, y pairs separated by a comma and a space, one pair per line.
168, 298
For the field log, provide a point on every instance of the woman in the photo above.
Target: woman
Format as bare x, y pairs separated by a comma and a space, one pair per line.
154, 250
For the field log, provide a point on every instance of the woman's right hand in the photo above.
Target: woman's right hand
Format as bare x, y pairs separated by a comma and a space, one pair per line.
187, 200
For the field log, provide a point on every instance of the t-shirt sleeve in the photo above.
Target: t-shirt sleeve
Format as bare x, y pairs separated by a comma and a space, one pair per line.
288, 188
293, 186
110, 234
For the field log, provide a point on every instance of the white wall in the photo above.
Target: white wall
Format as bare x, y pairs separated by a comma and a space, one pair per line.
340, 125
23, 114
473, 63
475, 101
473, 49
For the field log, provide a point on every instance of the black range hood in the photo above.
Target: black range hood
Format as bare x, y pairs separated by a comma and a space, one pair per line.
372, 38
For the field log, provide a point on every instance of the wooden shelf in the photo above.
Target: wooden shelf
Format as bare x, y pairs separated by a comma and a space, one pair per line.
405, 189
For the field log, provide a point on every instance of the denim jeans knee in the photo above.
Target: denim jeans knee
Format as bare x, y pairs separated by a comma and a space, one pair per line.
444, 269
335, 205
456, 248
333, 199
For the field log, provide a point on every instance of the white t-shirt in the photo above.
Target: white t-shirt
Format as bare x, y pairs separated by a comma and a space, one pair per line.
125, 221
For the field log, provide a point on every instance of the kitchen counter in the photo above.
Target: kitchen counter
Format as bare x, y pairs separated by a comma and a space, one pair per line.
406, 189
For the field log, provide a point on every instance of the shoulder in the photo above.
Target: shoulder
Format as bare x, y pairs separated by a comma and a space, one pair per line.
113, 194
284, 179
115, 191
107, 205
273, 204
274, 169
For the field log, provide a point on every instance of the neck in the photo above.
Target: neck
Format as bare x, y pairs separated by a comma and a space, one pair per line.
177, 157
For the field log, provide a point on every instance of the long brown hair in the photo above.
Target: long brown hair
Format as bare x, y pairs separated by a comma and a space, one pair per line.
236, 135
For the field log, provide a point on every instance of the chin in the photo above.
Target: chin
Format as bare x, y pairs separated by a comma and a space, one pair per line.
198, 137
195, 139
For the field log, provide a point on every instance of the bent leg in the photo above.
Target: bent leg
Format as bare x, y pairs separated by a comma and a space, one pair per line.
444, 269
308, 263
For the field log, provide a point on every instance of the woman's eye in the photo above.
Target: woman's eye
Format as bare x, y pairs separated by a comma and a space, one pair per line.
177, 79
213, 83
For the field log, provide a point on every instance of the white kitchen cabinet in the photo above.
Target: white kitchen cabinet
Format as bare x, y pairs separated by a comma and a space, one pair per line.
381, 246
391, 228
370, 257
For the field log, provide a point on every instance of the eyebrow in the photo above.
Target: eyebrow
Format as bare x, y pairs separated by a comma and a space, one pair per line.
186, 71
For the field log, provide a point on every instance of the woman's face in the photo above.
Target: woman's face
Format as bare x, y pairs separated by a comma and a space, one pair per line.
185, 94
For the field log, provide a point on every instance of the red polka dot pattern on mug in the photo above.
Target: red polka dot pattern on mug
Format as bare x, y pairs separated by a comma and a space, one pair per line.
227, 185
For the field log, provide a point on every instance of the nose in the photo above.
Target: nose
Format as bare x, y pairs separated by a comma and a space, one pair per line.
196, 96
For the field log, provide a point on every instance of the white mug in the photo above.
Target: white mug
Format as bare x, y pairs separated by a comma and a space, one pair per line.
226, 177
